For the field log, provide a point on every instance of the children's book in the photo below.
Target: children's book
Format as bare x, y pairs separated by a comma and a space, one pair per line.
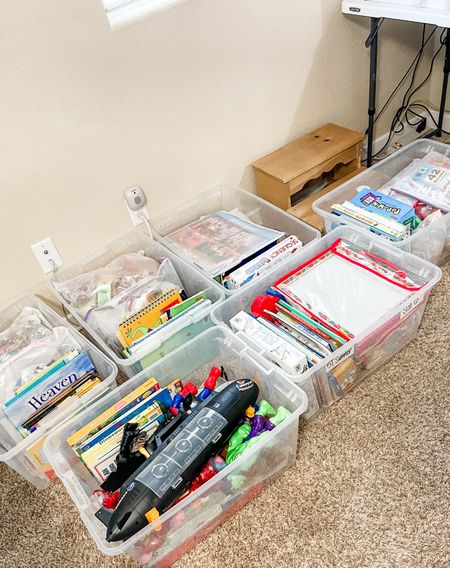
376, 223
43, 376
376, 202
111, 413
114, 438
161, 396
82, 385
221, 241
106, 463
166, 330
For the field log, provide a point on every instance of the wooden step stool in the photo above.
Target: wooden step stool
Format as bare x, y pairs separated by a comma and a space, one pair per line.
304, 211
331, 150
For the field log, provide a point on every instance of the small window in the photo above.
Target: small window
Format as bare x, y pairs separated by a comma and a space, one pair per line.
124, 11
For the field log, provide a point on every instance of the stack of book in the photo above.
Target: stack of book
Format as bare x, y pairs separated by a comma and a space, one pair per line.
164, 311
384, 215
72, 374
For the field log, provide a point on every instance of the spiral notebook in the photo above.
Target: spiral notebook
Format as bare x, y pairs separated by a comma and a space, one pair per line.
143, 321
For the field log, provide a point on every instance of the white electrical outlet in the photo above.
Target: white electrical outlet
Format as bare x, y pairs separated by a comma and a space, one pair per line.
47, 255
136, 216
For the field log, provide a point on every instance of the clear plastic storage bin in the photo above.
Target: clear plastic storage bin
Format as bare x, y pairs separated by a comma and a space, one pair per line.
25, 454
221, 197
167, 338
431, 243
182, 526
369, 349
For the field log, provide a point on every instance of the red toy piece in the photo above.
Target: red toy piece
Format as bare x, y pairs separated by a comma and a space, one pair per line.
214, 375
261, 303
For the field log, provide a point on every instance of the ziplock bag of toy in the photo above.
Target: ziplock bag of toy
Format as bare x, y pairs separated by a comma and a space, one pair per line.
27, 347
106, 296
425, 185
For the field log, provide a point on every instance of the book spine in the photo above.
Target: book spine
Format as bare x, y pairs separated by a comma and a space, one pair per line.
111, 411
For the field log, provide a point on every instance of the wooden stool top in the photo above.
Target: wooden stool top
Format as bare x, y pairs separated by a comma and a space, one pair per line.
309, 151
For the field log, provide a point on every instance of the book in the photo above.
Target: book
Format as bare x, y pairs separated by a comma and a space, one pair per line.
44, 375
84, 383
47, 391
178, 309
384, 205
221, 241
140, 323
106, 462
103, 446
169, 328
377, 224
105, 417
162, 397
302, 334
263, 262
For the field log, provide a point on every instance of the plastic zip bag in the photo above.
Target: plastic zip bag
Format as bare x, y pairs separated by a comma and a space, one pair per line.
428, 180
27, 347
96, 288
104, 320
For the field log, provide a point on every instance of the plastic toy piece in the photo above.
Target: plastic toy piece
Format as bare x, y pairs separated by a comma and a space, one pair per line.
281, 415
172, 467
128, 459
109, 500
210, 384
184, 396
218, 463
258, 421
250, 412
262, 303
236, 441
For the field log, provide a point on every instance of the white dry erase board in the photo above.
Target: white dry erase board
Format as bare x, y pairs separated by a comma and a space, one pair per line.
345, 288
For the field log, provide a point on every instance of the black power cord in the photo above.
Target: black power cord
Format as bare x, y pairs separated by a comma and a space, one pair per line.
415, 63
397, 125
427, 110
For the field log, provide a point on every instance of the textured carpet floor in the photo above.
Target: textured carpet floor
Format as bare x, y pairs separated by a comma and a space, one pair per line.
370, 487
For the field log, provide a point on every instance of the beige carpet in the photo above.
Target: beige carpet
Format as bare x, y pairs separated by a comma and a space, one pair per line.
370, 488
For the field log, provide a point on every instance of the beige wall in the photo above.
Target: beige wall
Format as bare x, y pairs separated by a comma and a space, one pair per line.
174, 103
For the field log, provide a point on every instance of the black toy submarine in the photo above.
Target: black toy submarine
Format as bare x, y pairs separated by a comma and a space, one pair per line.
178, 459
